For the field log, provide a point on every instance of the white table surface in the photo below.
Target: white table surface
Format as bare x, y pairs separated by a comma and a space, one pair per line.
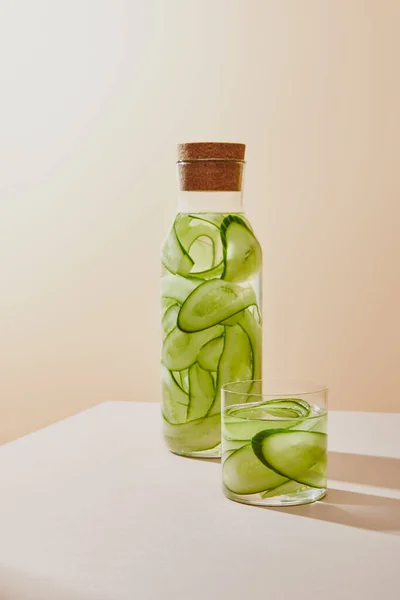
95, 508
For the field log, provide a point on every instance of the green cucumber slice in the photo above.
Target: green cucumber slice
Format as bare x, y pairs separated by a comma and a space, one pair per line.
253, 330
194, 235
297, 455
201, 392
213, 218
210, 354
166, 303
194, 436
243, 473
213, 302
174, 256
184, 380
289, 487
169, 320
235, 363
180, 349
175, 401
202, 254
242, 251
286, 408
177, 288
243, 423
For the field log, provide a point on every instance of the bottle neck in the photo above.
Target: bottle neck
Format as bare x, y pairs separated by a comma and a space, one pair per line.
216, 202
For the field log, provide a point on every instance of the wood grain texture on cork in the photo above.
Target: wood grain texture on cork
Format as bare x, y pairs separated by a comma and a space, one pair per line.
211, 166
211, 150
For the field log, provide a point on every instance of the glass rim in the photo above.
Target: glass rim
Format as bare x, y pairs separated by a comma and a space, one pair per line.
317, 388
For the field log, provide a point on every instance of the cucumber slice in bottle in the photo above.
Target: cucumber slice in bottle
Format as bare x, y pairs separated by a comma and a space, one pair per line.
235, 363
213, 302
210, 354
184, 380
177, 288
201, 392
174, 256
202, 254
243, 473
169, 319
194, 436
297, 455
253, 330
180, 349
213, 218
190, 232
166, 303
175, 401
242, 251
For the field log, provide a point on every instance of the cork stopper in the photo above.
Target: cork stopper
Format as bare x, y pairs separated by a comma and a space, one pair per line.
211, 166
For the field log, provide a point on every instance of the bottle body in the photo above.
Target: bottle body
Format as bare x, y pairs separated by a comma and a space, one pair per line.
211, 320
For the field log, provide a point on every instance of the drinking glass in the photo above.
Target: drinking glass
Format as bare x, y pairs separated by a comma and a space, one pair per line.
274, 442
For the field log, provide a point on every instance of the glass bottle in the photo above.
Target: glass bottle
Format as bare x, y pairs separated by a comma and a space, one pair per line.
210, 298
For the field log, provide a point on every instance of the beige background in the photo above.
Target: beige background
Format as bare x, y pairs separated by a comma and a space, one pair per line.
94, 97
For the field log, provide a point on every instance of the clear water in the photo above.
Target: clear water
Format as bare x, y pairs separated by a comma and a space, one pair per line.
273, 461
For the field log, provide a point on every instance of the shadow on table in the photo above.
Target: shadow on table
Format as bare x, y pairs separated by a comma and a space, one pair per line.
367, 470
364, 511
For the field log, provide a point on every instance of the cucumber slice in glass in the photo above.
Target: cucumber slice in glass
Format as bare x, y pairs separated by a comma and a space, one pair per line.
194, 436
213, 302
201, 392
210, 354
243, 423
175, 401
289, 487
298, 455
180, 349
243, 473
242, 251
235, 363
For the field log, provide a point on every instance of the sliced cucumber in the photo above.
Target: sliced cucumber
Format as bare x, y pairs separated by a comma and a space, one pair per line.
213, 218
202, 254
286, 408
175, 401
289, 487
166, 303
213, 302
297, 455
254, 333
174, 256
180, 349
210, 354
191, 234
184, 380
242, 251
243, 473
194, 436
177, 288
235, 363
242, 429
201, 392
169, 319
